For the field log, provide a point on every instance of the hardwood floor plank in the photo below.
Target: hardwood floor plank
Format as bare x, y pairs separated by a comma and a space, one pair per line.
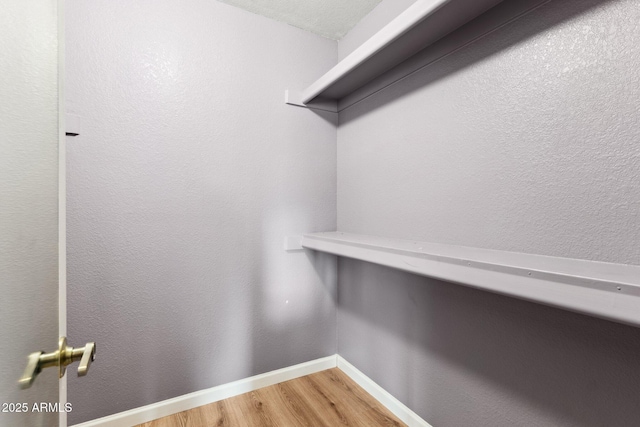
217, 414
324, 399
334, 412
339, 386
296, 406
257, 411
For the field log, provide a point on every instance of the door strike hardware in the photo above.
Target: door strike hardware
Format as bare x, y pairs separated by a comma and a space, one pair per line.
62, 357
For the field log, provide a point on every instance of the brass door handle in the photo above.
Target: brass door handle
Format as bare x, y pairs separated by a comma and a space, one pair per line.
88, 356
62, 357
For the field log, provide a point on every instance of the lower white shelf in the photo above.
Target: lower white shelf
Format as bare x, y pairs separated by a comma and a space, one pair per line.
605, 290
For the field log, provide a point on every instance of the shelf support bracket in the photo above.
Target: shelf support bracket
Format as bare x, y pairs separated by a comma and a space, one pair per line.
295, 98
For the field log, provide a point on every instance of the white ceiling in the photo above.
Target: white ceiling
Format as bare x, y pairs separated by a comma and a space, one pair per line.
328, 18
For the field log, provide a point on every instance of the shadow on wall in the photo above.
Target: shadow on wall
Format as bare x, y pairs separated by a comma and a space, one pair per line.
295, 297
146, 290
325, 115
504, 26
459, 356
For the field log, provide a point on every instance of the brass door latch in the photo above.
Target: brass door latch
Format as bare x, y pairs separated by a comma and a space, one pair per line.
62, 357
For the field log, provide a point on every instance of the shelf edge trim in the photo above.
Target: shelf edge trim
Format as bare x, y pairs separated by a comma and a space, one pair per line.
611, 298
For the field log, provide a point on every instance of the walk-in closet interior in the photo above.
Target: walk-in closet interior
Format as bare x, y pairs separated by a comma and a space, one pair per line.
437, 200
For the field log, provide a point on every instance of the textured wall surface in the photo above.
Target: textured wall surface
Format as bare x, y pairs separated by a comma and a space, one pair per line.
526, 141
328, 18
28, 202
189, 172
380, 16
463, 357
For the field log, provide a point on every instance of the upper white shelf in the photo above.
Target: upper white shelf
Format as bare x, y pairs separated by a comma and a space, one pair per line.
422, 24
606, 290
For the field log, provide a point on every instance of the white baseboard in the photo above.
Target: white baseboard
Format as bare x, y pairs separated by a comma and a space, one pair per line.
396, 407
164, 408
161, 409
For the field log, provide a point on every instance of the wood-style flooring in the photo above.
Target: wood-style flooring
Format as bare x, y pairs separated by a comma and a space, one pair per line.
328, 398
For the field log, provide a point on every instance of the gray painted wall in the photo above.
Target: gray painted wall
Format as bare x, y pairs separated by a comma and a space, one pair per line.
28, 203
526, 141
328, 18
189, 172
381, 15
